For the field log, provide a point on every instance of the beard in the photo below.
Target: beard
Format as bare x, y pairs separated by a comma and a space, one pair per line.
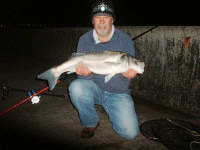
103, 30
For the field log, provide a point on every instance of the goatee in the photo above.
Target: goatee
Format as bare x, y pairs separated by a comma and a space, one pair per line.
103, 30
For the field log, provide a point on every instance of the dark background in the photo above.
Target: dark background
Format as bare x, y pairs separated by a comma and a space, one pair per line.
74, 13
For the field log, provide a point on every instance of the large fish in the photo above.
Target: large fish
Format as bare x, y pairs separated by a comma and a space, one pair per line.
104, 62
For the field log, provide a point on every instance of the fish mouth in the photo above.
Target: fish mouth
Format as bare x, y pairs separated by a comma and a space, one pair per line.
140, 71
141, 67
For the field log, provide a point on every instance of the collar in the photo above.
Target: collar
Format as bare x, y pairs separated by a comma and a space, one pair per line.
95, 36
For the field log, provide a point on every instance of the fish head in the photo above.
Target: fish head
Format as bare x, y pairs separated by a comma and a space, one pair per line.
136, 65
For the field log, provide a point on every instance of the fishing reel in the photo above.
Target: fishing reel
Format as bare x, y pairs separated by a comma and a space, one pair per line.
34, 98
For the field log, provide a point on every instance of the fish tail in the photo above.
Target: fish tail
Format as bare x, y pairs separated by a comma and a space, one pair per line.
48, 75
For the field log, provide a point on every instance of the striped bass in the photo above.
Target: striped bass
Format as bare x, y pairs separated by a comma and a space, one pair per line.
107, 63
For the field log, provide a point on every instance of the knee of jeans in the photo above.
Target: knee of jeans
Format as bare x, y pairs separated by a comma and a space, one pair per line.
76, 88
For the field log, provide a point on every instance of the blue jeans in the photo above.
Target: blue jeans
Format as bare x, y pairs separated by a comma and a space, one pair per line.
119, 107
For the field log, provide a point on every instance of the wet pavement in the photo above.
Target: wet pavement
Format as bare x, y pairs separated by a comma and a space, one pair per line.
54, 123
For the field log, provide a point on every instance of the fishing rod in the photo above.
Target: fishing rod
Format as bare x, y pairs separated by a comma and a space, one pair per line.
7, 89
136, 37
62, 77
26, 99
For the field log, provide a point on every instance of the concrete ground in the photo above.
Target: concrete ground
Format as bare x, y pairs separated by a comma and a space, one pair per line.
53, 123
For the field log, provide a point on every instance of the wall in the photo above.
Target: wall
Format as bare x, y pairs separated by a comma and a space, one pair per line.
172, 72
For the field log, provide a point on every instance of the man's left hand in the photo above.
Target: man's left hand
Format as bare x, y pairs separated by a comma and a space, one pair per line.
130, 73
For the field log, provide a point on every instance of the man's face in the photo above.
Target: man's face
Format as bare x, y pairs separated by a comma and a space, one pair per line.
103, 25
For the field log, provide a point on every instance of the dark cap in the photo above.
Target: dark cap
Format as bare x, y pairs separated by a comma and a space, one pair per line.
103, 7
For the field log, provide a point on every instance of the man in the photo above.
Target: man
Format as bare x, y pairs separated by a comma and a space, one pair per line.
89, 89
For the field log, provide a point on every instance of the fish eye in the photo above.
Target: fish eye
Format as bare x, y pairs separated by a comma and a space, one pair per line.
124, 56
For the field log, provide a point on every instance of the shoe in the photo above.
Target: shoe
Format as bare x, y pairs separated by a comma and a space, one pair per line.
88, 132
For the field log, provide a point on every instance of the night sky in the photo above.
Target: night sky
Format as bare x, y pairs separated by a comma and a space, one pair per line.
76, 12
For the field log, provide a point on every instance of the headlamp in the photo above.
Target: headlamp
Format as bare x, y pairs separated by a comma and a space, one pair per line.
103, 8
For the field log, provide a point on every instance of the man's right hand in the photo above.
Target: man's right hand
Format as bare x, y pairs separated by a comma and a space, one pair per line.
82, 70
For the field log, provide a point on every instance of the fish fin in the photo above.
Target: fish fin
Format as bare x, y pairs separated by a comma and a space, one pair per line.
76, 54
48, 75
108, 77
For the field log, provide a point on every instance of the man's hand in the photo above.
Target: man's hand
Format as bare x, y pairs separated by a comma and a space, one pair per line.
130, 73
82, 70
